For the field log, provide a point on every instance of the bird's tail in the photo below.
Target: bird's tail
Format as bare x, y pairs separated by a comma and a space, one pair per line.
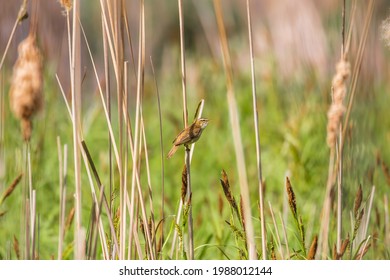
172, 151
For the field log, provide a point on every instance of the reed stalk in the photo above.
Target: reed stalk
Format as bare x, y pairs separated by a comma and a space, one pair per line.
235, 126
75, 74
185, 119
257, 137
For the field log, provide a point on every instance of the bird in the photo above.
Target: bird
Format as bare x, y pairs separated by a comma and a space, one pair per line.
189, 135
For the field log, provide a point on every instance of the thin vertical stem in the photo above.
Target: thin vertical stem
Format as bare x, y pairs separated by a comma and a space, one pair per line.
108, 102
339, 194
62, 199
235, 124
276, 231
185, 118
76, 99
137, 138
387, 228
285, 235
257, 137
33, 223
183, 64
162, 217
340, 151
28, 229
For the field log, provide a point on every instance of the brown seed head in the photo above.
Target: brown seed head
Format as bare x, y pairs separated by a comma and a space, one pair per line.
313, 249
11, 188
344, 246
16, 247
291, 197
26, 87
358, 201
184, 184
228, 193
337, 108
66, 4
69, 219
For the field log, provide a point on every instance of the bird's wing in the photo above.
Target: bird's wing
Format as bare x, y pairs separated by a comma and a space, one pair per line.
177, 137
182, 138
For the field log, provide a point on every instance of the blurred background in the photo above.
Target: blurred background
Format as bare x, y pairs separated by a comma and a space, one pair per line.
294, 36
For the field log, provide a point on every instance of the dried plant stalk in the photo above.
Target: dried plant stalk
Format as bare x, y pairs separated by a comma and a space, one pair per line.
26, 97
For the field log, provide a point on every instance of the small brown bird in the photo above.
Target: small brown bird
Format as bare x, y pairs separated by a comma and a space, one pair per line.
189, 135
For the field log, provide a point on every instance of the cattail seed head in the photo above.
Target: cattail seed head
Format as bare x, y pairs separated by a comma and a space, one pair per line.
26, 97
337, 108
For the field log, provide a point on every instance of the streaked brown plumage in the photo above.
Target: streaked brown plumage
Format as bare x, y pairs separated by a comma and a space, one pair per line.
189, 135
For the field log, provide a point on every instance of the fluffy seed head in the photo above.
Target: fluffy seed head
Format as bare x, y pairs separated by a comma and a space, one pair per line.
26, 86
337, 109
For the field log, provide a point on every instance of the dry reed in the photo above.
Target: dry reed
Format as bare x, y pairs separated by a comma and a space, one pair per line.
236, 132
257, 137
